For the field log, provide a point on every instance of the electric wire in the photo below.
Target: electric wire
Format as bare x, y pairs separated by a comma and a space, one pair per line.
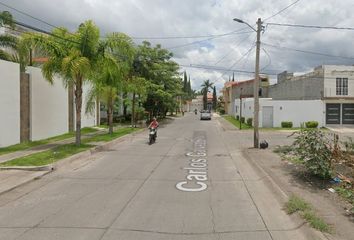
307, 52
310, 26
282, 10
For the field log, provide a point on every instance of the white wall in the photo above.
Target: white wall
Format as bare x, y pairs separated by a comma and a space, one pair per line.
331, 72
296, 111
49, 106
89, 119
9, 103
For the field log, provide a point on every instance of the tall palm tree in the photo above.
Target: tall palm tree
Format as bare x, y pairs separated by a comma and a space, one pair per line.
113, 70
73, 56
205, 89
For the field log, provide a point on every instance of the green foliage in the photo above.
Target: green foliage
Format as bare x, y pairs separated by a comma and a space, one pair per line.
205, 89
242, 119
237, 117
249, 121
311, 124
222, 111
306, 211
286, 124
215, 100
296, 204
314, 149
236, 123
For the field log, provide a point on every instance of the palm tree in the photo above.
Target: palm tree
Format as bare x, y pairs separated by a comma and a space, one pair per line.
113, 69
205, 89
73, 56
14, 49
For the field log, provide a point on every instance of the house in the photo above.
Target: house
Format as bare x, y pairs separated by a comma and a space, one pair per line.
234, 90
325, 95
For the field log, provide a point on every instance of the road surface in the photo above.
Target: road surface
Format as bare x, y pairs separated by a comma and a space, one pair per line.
192, 184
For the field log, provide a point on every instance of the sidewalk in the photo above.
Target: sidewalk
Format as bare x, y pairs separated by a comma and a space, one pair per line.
11, 179
42, 148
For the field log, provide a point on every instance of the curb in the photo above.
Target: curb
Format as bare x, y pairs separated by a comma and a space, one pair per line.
26, 182
51, 168
283, 196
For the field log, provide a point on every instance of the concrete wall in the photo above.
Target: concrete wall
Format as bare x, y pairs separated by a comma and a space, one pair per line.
89, 119
296, 111
49, 106
302, 89
9, 103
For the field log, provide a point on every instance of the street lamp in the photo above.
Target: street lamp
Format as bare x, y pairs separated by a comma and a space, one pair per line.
256, 81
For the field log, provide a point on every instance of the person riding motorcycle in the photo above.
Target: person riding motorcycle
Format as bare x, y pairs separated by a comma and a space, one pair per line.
154, 123
195, 111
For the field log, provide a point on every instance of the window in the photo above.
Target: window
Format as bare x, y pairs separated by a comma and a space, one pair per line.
341, 86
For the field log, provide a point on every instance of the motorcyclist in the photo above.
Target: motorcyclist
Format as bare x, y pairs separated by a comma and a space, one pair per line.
195, 111
154, 124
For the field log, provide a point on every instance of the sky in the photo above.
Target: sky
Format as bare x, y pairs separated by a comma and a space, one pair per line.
203, 37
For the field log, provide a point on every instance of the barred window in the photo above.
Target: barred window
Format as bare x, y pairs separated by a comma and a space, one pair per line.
341, 86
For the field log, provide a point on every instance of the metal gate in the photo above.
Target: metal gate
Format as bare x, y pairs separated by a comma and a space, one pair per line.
267, 117
347, 113
332, 113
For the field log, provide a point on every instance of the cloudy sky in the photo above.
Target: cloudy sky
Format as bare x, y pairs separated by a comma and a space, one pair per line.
202, 34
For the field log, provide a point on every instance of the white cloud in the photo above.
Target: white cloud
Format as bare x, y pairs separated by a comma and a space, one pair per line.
204, 17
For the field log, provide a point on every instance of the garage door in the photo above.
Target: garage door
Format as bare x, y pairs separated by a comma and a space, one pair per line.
347, 113
332, 113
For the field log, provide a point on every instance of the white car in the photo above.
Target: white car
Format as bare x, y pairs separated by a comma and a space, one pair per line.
205, 115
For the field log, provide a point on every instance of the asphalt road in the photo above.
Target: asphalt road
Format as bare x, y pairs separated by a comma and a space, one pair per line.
192, 184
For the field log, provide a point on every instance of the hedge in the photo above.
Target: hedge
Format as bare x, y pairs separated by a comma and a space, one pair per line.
237, 117
249, 121
286, 124
242, 119
311, 124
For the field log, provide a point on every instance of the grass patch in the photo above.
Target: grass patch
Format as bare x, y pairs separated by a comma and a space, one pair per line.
27, 145
108, 137
296, 204
280, 128
345, 193
47, 157
306, 211
236, 122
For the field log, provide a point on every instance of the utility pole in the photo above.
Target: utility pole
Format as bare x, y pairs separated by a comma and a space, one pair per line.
256, 88
240, 108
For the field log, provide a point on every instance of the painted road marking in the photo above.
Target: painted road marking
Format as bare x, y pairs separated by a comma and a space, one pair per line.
197, 171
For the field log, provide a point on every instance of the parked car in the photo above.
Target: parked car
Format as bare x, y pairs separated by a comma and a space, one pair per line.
205, 115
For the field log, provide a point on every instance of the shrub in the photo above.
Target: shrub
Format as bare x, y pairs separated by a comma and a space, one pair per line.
314, 149
222, 111
286, 124
311, 124
249, 121
237, 117
242, 119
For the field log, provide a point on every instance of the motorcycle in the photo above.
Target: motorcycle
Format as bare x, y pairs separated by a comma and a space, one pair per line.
152, 135
195, 112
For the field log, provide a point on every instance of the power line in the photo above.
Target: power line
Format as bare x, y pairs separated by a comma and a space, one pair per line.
310, 26
307, 52
28, 15
227, 54
207, 67
204, 40
282, 10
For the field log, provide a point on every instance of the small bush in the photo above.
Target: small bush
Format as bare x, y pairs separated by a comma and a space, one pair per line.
222, 111
242, 119
238, 118
311, 124
314, 149
249, 121
286, 124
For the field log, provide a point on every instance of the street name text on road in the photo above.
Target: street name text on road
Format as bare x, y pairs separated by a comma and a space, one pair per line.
197, 171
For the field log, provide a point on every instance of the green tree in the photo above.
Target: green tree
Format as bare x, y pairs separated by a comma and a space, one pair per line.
215, 100
155, 65
205, 89
73, 56
112, 72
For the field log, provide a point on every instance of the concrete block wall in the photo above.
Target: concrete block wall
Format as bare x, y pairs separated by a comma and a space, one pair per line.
9, 103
